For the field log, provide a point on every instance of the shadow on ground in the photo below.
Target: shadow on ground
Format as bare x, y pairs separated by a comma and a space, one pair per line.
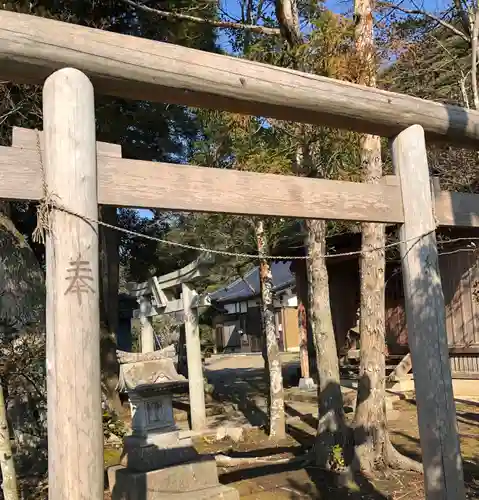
246, 391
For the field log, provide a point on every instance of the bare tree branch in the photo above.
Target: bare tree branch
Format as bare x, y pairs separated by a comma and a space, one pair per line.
465, 98
419, 12
462, 80
264, 30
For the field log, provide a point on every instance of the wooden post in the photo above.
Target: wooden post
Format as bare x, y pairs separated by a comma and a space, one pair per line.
303, 339
299, 269
75, 435
193, 354
425, 314
147, 333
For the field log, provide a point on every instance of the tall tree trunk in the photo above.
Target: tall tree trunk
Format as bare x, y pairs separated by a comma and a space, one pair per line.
277, 426
373, 448
288, 20
7, 464
332, 429
300, 272
370, 419
109, 316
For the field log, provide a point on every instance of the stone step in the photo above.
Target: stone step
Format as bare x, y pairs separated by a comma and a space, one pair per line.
214, 493
189, 477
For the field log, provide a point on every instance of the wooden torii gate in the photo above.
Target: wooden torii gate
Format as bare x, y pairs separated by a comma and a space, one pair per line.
33, 49
157, 296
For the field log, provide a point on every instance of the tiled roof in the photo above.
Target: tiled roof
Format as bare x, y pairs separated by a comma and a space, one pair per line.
238, 289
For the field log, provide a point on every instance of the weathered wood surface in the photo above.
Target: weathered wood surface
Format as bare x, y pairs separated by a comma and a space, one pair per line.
199, 267
75, 435
193, 353
426, 323
31, 48
137, 183
450, 208
457, 209
175, 306
28, 139
401, 370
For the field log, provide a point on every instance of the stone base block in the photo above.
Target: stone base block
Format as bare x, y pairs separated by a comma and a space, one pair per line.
157, 451
194, 480
219, 492
306, 384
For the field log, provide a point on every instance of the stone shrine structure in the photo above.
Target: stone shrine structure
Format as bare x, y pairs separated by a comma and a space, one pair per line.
159, 461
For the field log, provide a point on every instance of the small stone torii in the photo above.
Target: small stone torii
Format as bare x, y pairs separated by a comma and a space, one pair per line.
157, 296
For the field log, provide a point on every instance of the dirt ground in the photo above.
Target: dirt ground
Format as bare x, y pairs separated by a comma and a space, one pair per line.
239, 386
294, 482
297, 482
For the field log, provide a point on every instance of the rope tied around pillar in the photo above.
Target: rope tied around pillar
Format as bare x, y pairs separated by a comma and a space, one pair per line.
46, 205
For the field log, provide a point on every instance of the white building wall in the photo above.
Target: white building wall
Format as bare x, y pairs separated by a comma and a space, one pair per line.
292, 301
230, 308
242, 307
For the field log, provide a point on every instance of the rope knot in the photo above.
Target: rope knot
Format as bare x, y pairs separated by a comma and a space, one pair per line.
46, 205
44, 220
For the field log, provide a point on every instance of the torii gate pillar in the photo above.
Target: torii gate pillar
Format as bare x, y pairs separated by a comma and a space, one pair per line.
193, 352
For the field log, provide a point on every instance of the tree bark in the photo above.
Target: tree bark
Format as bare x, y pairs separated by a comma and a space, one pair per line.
302, 295
370, 421
109, 316
372, 445
7, 464
307, 354
277, 423
288, 20
333, 430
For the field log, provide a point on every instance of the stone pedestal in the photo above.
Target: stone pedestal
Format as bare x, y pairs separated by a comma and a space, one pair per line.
159, 461
189, 481
156, 441
152, 409
306, 384
157, 451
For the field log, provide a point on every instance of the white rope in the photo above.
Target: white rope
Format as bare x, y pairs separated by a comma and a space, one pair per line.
49, 203
54, 205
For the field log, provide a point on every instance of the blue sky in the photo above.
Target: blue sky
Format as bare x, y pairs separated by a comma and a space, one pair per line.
232, 7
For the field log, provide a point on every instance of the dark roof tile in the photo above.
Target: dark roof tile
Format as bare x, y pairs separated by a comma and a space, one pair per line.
238, 289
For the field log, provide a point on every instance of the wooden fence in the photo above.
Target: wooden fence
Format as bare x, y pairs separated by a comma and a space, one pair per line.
81, 176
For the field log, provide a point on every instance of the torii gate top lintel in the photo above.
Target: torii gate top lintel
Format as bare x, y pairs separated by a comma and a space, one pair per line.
186, 274
156, 288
